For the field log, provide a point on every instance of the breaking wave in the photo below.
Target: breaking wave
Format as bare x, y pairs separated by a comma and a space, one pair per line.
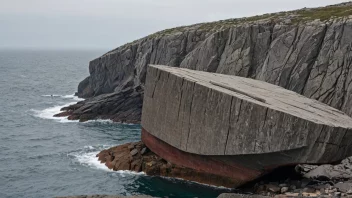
87, 157
72, 97
49, 113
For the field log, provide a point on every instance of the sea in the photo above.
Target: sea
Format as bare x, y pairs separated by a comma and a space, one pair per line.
43, 156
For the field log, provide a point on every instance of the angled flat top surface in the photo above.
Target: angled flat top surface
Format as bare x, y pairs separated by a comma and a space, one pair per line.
267, 95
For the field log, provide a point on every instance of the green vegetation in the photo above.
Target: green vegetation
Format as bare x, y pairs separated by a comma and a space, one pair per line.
296, 16
325, 13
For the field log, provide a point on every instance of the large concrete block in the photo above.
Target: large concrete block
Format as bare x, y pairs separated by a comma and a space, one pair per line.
214, 114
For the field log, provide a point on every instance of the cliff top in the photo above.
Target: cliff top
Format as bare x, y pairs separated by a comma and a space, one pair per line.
304, 15
290, 17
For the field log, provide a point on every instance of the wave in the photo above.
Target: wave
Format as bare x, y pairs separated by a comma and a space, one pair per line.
72, 96
87, 157
49, 113
100, 121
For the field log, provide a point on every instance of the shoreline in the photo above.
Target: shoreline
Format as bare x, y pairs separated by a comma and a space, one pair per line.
287, 182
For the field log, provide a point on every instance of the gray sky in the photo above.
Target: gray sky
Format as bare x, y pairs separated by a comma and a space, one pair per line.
106, 24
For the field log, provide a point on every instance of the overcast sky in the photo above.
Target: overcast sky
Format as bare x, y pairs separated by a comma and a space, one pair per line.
106, 24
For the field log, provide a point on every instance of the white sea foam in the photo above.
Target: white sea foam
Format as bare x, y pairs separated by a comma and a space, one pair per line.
99, 120
88, 158
49, 113
72, 96
89, 147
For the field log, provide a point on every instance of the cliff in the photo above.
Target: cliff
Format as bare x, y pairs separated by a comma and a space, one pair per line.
307, 51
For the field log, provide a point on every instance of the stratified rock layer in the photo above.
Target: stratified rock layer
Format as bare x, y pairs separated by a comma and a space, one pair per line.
242, 126
307, 51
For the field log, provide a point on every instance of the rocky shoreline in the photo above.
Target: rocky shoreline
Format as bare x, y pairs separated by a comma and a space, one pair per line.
112, 106
294, 181
136, 157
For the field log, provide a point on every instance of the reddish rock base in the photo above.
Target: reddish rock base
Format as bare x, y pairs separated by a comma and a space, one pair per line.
136, 157
222, 166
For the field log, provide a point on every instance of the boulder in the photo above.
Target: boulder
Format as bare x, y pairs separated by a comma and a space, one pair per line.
344, 187
243, 126
338, 172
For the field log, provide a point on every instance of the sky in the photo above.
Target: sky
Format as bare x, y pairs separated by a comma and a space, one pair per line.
107, 24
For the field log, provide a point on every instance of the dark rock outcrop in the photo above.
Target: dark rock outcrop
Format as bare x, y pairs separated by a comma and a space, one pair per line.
122, 106
307, 51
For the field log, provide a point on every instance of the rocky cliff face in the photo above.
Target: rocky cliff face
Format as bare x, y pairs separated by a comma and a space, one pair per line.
308, 51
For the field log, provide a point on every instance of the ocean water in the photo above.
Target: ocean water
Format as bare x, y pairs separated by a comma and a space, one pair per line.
42, 156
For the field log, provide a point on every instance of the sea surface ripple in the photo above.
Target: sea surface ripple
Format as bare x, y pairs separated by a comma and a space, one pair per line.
42, 156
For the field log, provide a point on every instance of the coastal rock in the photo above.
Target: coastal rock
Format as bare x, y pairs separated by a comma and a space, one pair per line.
341, 171
243, 126
344, 187
284, 190
309, 54
123, 106
144, 150
273, 188
134, 152
121, 158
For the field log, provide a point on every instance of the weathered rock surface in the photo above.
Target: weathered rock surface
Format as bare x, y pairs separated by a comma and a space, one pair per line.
339, 172
307, 51
214, 114
121, 158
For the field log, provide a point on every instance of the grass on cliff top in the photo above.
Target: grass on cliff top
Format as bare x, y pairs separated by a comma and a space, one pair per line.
297, 16
325, 13
302, 15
